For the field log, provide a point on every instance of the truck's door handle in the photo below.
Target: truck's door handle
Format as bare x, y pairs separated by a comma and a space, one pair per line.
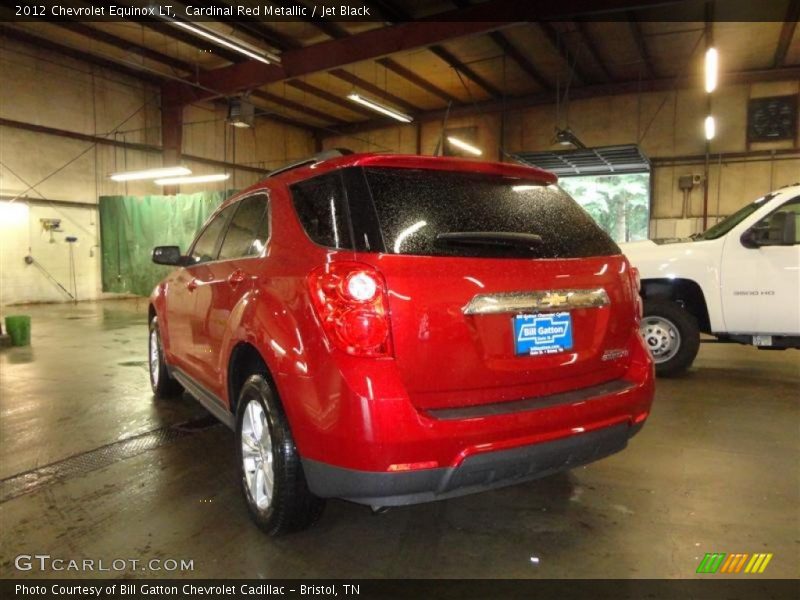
192, 285
235, 278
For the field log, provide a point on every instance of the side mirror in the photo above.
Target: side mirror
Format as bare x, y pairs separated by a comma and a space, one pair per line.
750, 239
168, 255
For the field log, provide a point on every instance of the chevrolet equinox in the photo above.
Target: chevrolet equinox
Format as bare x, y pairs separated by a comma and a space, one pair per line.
394, 329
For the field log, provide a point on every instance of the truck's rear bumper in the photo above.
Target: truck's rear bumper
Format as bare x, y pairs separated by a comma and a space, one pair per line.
475, 473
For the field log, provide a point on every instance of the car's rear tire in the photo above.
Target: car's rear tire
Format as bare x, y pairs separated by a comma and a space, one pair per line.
162, 383
273, 483
671, 334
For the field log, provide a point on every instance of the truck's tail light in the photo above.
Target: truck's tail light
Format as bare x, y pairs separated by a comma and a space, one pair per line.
351, 302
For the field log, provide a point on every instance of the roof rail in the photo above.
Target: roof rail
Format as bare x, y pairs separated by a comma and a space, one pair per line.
319, 157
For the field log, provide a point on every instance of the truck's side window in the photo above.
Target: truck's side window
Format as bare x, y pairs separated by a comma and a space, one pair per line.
247, 234
774, 223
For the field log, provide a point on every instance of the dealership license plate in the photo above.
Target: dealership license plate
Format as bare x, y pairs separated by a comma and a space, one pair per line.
542, 333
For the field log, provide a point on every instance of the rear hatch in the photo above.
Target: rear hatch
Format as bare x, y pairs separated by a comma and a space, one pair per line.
499, 288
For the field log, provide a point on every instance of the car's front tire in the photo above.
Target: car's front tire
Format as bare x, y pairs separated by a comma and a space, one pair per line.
271, 474
162, 383
671, 334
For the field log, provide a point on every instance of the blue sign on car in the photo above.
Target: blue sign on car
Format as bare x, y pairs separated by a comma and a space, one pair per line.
543, 333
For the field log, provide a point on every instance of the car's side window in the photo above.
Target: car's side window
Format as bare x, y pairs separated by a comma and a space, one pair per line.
771, 227
206, 247
249, 229
321, 206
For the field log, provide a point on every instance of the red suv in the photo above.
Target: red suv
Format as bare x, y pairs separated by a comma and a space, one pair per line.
399, 329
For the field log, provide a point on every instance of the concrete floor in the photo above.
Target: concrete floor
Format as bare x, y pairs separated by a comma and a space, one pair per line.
716, 469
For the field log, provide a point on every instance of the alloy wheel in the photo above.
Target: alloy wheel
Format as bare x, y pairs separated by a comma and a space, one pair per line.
155, 357
257, 455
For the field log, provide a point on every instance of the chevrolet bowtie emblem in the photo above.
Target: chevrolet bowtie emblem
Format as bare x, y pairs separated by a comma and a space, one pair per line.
555, 300
541, 300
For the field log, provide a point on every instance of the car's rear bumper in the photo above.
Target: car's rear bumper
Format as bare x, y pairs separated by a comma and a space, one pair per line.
375, 446
475, 473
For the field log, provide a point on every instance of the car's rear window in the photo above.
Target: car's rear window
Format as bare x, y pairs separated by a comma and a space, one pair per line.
416, 209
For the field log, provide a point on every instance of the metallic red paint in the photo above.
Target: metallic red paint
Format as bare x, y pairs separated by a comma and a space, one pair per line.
370, 413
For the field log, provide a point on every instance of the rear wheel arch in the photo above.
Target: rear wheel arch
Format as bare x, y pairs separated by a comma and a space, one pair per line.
245, 360
685, 292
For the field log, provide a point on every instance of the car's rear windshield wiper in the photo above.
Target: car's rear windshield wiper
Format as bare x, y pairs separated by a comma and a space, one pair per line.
500, 239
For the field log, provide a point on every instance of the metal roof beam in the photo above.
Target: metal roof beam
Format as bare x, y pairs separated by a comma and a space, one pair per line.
374, 90
522, 61
591, 46
417, 80
588, 91
123, 44
641, 47
787, 33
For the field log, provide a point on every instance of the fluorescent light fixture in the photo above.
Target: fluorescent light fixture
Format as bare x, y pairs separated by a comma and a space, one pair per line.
241, 113
712, 66
151, 173
193, 179
378, 107
232, 43
710, 127
566, 137
464, 146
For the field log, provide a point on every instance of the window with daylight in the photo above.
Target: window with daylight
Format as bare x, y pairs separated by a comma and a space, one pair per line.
619, 203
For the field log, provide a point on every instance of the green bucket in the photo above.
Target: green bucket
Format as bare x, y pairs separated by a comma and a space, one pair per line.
18, 328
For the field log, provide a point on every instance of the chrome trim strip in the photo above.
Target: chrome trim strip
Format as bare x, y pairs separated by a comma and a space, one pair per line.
206, 399
617, 386
539, 301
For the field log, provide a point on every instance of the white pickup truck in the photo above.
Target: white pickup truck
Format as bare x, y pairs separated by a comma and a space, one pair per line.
738, 281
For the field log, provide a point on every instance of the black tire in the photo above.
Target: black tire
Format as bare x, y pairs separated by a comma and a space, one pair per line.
161, 382
689, 336
291, 505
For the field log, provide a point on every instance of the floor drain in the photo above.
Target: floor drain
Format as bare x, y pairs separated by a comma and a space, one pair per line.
79, 464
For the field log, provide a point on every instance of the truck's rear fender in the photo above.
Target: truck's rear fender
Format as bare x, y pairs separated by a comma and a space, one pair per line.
684, 291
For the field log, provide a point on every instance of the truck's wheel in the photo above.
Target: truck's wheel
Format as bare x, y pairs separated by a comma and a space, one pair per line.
671, 334
271, 473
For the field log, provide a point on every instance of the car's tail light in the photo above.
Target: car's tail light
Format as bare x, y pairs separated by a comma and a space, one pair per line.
636, 281
351, 303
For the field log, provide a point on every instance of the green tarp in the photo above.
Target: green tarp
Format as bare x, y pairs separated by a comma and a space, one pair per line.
130, 226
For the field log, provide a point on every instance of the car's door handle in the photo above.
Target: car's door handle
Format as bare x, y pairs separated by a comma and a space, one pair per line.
235, 278
192, 285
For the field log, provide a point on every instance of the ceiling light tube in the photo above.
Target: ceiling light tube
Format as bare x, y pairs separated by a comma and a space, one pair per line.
193, 179
712, 67
464, 146
150, 173
237, 45
710, 127
378, 107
